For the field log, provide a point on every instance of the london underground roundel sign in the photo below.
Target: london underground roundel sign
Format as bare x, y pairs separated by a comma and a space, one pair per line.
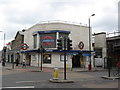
24, 46
81, 45
48, 40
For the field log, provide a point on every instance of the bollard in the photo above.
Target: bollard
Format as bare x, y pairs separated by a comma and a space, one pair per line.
66, 65
56, 73
89, 67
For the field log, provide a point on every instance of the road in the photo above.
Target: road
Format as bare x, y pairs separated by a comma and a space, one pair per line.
34, 79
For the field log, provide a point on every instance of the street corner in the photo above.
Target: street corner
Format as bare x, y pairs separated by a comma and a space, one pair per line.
110, 78
60, 81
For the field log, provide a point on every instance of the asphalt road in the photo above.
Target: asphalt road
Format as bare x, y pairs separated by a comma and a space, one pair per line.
28, 79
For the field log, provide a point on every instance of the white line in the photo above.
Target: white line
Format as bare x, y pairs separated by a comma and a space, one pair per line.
30, 81
21, 87
25, 81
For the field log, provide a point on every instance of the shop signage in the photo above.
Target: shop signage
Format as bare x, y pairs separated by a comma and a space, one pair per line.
81, 45
48, 40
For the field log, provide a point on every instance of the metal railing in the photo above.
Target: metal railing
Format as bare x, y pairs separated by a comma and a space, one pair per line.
60, 21
112, 34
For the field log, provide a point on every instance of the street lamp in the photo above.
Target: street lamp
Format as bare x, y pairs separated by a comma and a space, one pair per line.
4, 38
89, 65
4, 50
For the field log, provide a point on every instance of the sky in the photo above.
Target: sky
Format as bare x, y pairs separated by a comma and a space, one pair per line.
16, 15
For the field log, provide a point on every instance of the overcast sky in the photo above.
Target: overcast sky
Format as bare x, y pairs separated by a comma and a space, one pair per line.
16, 15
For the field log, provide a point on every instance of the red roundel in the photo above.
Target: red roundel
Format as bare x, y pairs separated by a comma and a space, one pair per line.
24, 46
48, 40
81, 45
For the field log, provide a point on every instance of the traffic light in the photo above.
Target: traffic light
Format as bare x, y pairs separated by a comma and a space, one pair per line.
59, 43
38, 50
41, 50
69, 44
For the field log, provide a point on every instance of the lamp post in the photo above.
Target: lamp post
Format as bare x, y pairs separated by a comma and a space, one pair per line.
89, 65
4, 37
4, 57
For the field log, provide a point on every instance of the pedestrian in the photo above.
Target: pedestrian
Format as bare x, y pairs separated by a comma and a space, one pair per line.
118, 66
3, 62
17, 62
23, 64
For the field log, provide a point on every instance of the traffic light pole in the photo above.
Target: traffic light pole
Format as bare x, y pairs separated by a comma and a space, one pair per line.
41, 57
4, 59
65, 45
12, 64
64, 58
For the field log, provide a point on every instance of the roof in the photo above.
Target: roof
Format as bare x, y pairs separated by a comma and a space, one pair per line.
59, 22
19, 32
113, 38
99, 33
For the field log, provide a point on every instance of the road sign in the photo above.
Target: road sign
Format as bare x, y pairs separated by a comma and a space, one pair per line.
81, 45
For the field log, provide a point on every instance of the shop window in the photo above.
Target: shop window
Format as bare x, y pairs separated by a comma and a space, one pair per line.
62, 57
34, 57
47, 58
98, 52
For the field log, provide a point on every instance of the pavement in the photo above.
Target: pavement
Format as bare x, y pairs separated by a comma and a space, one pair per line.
9, 66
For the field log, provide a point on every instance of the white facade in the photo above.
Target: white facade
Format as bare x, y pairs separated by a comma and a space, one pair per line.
100, 42
77, 33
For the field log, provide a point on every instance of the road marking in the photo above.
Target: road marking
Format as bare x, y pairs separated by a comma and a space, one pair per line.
21, 87
29, 81
24, 81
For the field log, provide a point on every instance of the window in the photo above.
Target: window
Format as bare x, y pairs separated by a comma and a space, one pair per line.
34, 57
62, 57
35, 41
47, 58
98, 52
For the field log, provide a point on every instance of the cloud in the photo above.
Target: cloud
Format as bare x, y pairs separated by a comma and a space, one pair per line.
19, 14
107, 20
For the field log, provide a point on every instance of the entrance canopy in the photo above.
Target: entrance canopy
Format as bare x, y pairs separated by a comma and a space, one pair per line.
69, 52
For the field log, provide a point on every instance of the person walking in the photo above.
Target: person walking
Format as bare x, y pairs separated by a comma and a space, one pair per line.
118, 66
17, 62
23, 64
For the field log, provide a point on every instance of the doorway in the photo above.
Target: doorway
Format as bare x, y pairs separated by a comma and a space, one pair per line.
28, 59
76, 61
